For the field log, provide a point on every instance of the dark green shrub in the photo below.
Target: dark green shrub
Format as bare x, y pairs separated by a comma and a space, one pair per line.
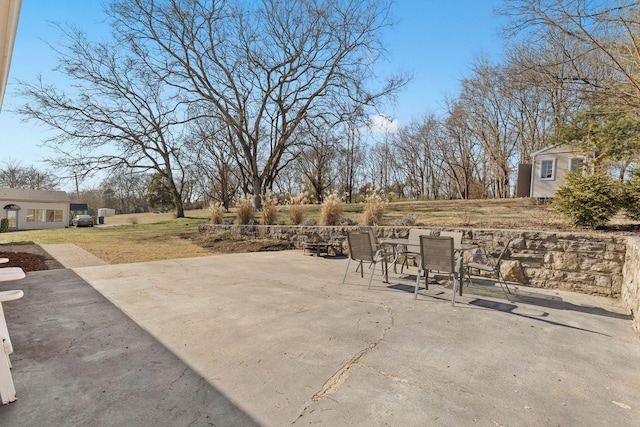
631, 197
4, 225
587, 201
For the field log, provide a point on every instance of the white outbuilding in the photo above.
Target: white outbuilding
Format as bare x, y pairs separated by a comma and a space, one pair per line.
34, 209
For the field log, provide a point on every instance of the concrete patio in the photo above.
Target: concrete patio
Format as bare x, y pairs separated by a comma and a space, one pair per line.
275, 339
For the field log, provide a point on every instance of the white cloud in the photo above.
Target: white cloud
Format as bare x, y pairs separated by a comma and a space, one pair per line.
381, 124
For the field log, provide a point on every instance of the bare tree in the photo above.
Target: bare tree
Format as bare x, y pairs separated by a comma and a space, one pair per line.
125, 191
489, 106
541, 82
14, 175
604, 57
317, 160
117, 115
461, 153
350, 160
415, 146
265, 68
211, 153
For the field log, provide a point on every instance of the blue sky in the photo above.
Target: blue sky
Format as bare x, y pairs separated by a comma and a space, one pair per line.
435, 41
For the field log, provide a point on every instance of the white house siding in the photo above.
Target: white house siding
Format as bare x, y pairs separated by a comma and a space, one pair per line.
52, 207
561, 155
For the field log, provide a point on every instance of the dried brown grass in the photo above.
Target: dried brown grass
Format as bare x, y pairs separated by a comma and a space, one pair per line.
331, 210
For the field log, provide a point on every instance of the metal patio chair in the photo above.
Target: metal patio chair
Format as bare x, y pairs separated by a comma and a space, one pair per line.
493, 267
414, 235
361, 250
437, 254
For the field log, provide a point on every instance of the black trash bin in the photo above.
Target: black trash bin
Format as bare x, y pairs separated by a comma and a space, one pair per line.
100, 220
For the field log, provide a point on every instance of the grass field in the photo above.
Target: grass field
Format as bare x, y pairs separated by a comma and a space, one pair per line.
149, 236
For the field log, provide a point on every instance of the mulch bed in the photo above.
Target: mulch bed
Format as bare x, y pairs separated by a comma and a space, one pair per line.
28, 256
225, 245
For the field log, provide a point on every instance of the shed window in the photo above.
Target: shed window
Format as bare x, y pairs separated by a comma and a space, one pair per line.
546, 169
576, 165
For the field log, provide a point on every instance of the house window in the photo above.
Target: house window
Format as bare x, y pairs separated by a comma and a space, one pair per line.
44, 215
546, 169
576, 165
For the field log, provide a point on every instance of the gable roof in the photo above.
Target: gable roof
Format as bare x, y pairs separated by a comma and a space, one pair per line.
19, 194
570, 147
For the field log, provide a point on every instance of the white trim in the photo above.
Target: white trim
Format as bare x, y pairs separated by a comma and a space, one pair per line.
9, 14
553, 169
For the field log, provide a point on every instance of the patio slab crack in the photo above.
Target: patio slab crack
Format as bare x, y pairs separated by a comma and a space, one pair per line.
333, 384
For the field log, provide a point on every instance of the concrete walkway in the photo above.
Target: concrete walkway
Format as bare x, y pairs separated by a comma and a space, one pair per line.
275, 339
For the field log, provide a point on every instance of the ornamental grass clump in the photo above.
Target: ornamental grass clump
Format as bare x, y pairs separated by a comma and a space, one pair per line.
269, 209
244, 210
331, 211
296, 208
217, 213
375, 204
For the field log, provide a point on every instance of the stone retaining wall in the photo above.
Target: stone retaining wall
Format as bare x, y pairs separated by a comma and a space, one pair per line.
589, 263
631, 280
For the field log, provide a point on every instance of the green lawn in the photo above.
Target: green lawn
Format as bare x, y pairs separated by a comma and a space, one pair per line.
149, 236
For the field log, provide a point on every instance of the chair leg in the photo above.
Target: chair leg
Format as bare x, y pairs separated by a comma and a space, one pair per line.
404, 262
373, 269
499, 278
385, 268
426, 282
456, 283
460, 277
503, 285
346, 271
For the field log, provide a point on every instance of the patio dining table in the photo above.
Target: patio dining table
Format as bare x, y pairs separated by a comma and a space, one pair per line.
415, 244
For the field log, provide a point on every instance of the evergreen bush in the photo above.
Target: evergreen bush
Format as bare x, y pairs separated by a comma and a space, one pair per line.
587, 201
631, 197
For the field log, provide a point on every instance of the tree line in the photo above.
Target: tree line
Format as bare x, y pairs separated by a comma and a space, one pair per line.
214, 100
